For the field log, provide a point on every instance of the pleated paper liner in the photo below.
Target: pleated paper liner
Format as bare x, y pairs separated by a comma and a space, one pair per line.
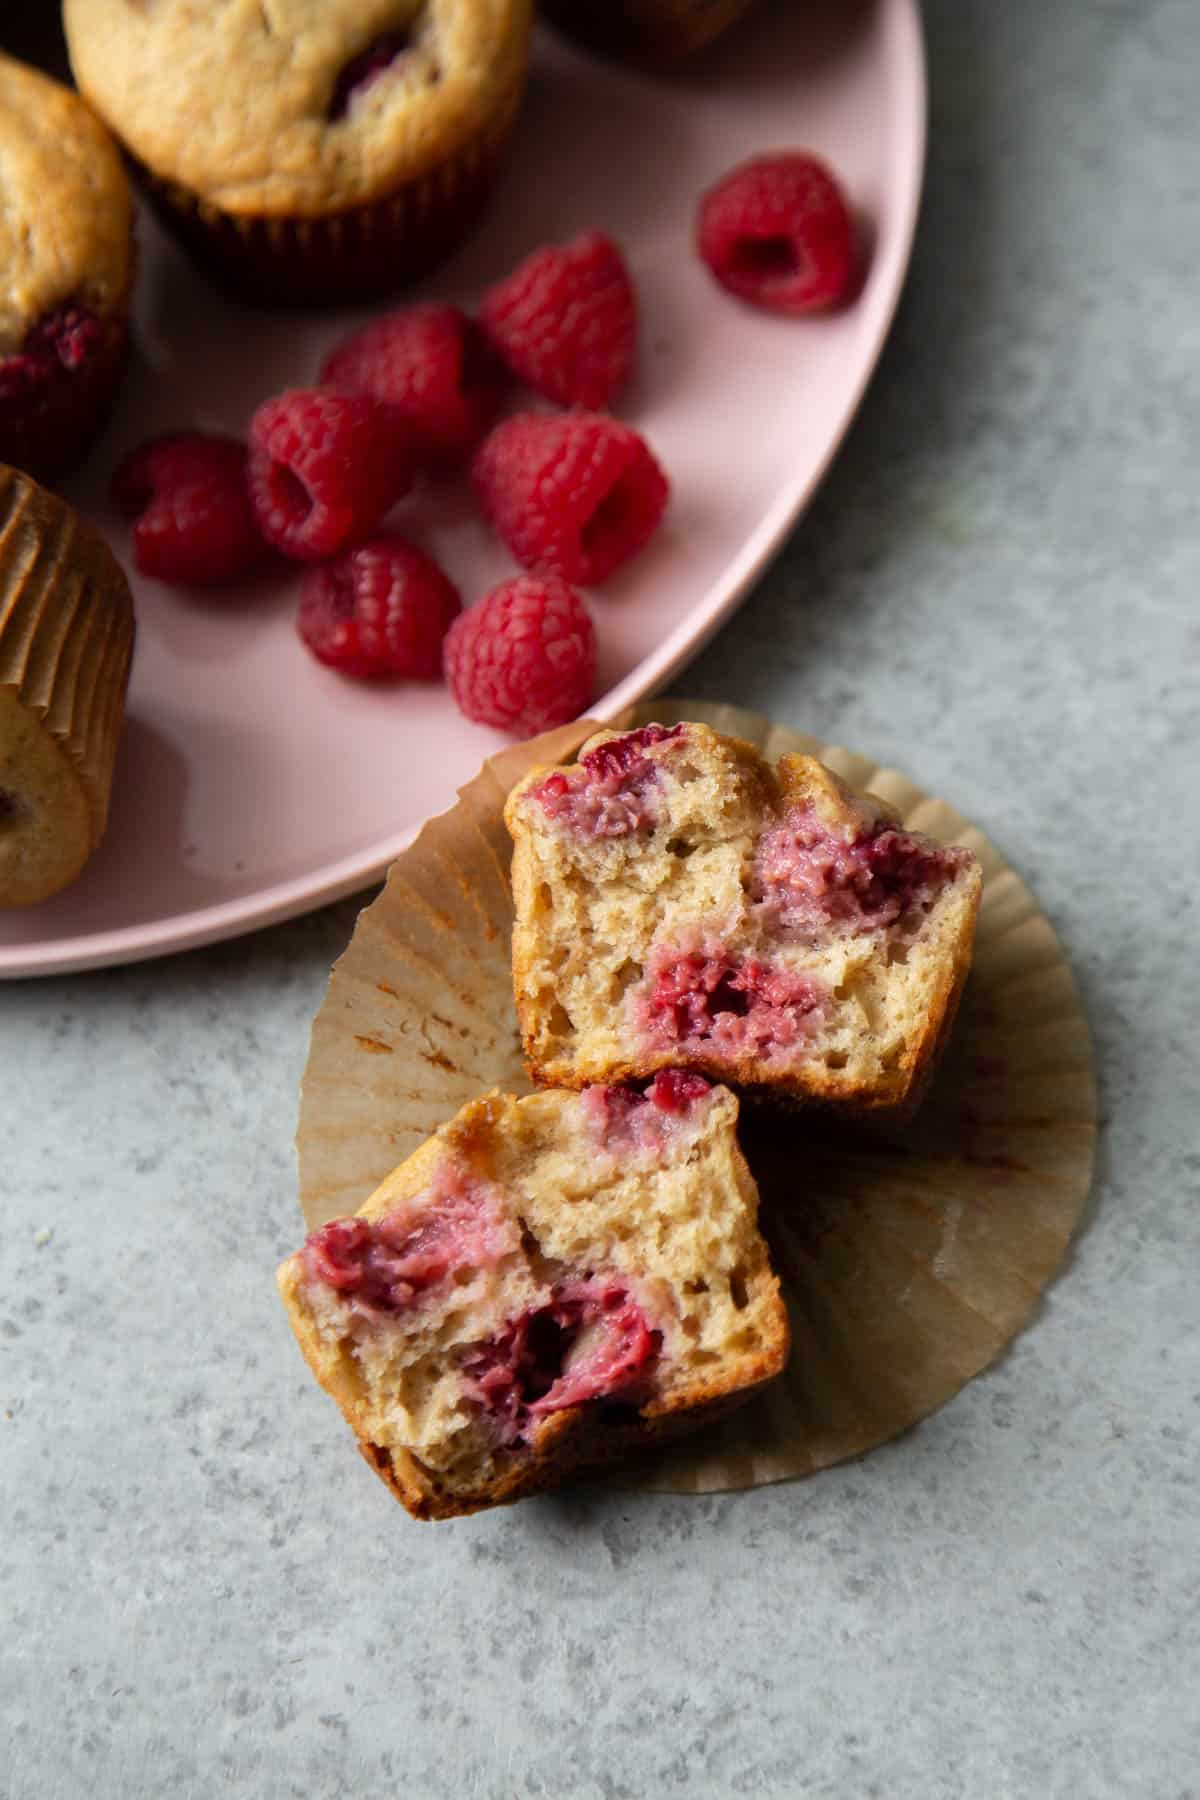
909, 1258
66, 642
349, 257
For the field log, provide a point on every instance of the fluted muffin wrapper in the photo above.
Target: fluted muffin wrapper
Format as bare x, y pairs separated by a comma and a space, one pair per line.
348, 257
48, 432
66, 632
647, 31
909, 1256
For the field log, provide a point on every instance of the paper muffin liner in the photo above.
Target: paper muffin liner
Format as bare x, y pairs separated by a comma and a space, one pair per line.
348, 257
66, 632
648, 31
48, 431
909, 1256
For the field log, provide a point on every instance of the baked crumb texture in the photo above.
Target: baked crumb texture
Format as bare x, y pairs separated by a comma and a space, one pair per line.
682, 903
547, 1283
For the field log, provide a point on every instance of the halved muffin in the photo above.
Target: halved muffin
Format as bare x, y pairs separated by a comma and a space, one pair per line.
682, 902
546, 1283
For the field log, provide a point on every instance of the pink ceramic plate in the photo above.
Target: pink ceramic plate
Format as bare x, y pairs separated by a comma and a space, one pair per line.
253, 784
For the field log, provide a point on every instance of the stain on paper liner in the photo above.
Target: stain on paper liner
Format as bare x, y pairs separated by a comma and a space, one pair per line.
909, 1258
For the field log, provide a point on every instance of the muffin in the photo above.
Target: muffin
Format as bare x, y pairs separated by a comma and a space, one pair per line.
66, 268
66, 640
646, 31
682, 902
315, 152
545, 1283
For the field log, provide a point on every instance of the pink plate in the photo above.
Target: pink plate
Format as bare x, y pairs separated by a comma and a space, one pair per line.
253, 784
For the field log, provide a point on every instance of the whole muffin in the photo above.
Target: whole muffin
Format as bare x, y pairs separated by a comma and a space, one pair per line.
66, 641
646, 31
309, 152
66, 267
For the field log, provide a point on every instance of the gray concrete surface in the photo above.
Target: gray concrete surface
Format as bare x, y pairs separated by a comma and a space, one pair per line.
996, 589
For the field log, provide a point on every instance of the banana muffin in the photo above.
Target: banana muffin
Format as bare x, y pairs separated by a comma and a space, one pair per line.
308, 151
66, 268
682, 902
546, 1283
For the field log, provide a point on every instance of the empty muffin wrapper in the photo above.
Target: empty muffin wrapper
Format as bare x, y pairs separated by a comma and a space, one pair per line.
909, 1257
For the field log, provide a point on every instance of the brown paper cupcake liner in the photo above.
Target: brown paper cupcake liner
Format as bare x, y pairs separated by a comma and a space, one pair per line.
646, 31
48, 432
66, 634
909, 1256
345, 258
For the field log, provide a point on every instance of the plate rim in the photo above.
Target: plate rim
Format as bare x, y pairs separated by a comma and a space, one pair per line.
301, 894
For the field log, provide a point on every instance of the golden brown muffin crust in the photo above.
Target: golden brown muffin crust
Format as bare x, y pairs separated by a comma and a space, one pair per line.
232, 99
66, 213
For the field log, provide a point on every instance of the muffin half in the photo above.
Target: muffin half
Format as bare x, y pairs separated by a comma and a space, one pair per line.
681, 901
546, 1283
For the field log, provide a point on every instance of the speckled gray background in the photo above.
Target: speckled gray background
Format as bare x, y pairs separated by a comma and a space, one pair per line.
997, 589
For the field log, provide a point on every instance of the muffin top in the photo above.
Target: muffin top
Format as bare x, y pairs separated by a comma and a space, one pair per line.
296, 106
65, 207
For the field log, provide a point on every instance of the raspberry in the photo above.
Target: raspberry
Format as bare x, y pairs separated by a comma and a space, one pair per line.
323, 468
777, 232
524, 659
381, 609
363, 70
618, 757
432, 366
674, 1090
193, 522
565, 321
575, 496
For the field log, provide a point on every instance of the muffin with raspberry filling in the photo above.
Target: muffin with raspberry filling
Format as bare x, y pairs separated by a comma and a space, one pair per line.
66, 266
312, 151
546, 1283
680, 901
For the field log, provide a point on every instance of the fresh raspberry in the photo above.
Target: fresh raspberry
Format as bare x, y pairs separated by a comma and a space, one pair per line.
193, 522
574, 496
323, 468
777, 232
565, 321
381, 609
524, 659
432, 366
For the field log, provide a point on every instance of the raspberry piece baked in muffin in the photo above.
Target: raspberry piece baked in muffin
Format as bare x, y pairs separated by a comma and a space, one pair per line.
546, 1283
310, 151
66, 266
681, 902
